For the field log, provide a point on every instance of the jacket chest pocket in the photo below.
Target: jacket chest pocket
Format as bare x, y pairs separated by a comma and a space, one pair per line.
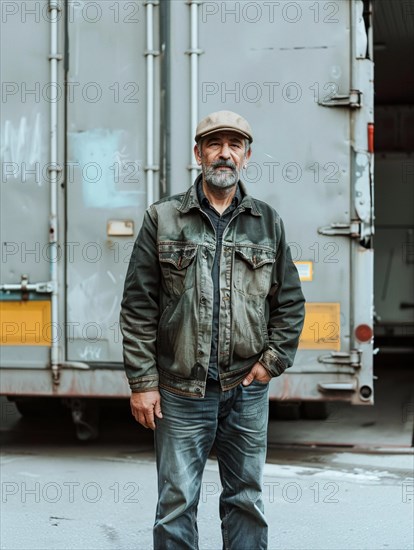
253, 267
177, 264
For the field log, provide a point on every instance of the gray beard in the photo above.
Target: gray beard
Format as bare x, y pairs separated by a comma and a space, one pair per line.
221, 179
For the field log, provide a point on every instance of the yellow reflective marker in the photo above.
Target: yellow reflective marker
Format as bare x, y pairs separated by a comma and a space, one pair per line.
25, 323
321, 329
305, 270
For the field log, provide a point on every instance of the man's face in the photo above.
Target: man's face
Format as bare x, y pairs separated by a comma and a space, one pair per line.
222, 157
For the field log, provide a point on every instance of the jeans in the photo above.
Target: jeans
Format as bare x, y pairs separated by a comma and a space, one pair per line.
236, 422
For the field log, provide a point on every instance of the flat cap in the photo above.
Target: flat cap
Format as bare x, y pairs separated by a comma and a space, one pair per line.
222, 121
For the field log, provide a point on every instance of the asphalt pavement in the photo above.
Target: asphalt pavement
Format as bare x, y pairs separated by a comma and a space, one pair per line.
343, 483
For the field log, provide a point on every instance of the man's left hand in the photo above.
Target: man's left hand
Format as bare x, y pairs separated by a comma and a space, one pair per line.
258, 373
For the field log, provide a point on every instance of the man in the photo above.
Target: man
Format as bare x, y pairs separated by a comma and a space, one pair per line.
212, 310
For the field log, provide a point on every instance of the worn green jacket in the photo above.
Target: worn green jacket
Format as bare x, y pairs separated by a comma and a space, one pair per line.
166, 311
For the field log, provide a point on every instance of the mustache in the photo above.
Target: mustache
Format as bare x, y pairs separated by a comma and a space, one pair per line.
227, 163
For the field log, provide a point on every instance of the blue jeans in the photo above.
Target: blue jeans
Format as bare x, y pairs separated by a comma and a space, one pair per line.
236, 422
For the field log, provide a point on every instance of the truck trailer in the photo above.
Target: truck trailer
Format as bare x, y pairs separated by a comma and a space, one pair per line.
100, 101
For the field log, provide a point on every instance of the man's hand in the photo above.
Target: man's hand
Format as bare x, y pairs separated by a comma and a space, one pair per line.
144, 406
258, 373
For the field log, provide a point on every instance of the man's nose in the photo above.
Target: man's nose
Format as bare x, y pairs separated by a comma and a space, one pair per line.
225, 151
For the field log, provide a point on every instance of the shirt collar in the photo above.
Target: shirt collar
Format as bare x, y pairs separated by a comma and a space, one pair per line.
189, 199
202, 199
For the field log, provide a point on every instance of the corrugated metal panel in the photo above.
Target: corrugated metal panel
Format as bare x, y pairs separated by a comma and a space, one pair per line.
393, 20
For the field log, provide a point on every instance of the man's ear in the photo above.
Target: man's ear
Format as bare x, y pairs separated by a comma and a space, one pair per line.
248, 154
197, 154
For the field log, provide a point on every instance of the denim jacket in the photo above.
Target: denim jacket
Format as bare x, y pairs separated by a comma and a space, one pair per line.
166, 310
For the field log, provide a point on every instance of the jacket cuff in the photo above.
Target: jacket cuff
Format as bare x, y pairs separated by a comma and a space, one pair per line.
271, 362
143, 383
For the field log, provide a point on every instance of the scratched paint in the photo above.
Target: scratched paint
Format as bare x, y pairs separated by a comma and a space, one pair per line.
92, 309
96, 152
362, 186
90, 300
22, 143
91, 353
361, 38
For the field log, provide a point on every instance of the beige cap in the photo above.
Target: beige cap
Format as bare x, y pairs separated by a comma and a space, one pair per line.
222, 121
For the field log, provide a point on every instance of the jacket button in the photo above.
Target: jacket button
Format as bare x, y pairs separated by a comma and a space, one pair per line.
202, 300
198, 390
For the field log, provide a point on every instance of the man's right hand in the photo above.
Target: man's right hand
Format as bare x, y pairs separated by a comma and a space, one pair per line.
144, 406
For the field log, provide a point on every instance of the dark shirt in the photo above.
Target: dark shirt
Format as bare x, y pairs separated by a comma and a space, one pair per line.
219, 223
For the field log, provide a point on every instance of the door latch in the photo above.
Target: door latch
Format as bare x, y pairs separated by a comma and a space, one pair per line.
352, 100
352, 229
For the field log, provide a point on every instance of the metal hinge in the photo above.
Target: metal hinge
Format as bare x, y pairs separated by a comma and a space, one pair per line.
353, 358
349, 229
352, 100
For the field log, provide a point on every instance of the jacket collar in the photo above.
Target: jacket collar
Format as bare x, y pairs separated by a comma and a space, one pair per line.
190, 200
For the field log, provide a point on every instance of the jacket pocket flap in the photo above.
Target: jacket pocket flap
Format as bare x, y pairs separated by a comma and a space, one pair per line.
180, 255
256, 256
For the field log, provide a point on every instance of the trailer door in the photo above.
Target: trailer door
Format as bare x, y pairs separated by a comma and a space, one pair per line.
111, 134
26, 254
300, 73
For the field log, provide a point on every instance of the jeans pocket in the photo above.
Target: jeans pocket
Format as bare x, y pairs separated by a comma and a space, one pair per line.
258, 383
